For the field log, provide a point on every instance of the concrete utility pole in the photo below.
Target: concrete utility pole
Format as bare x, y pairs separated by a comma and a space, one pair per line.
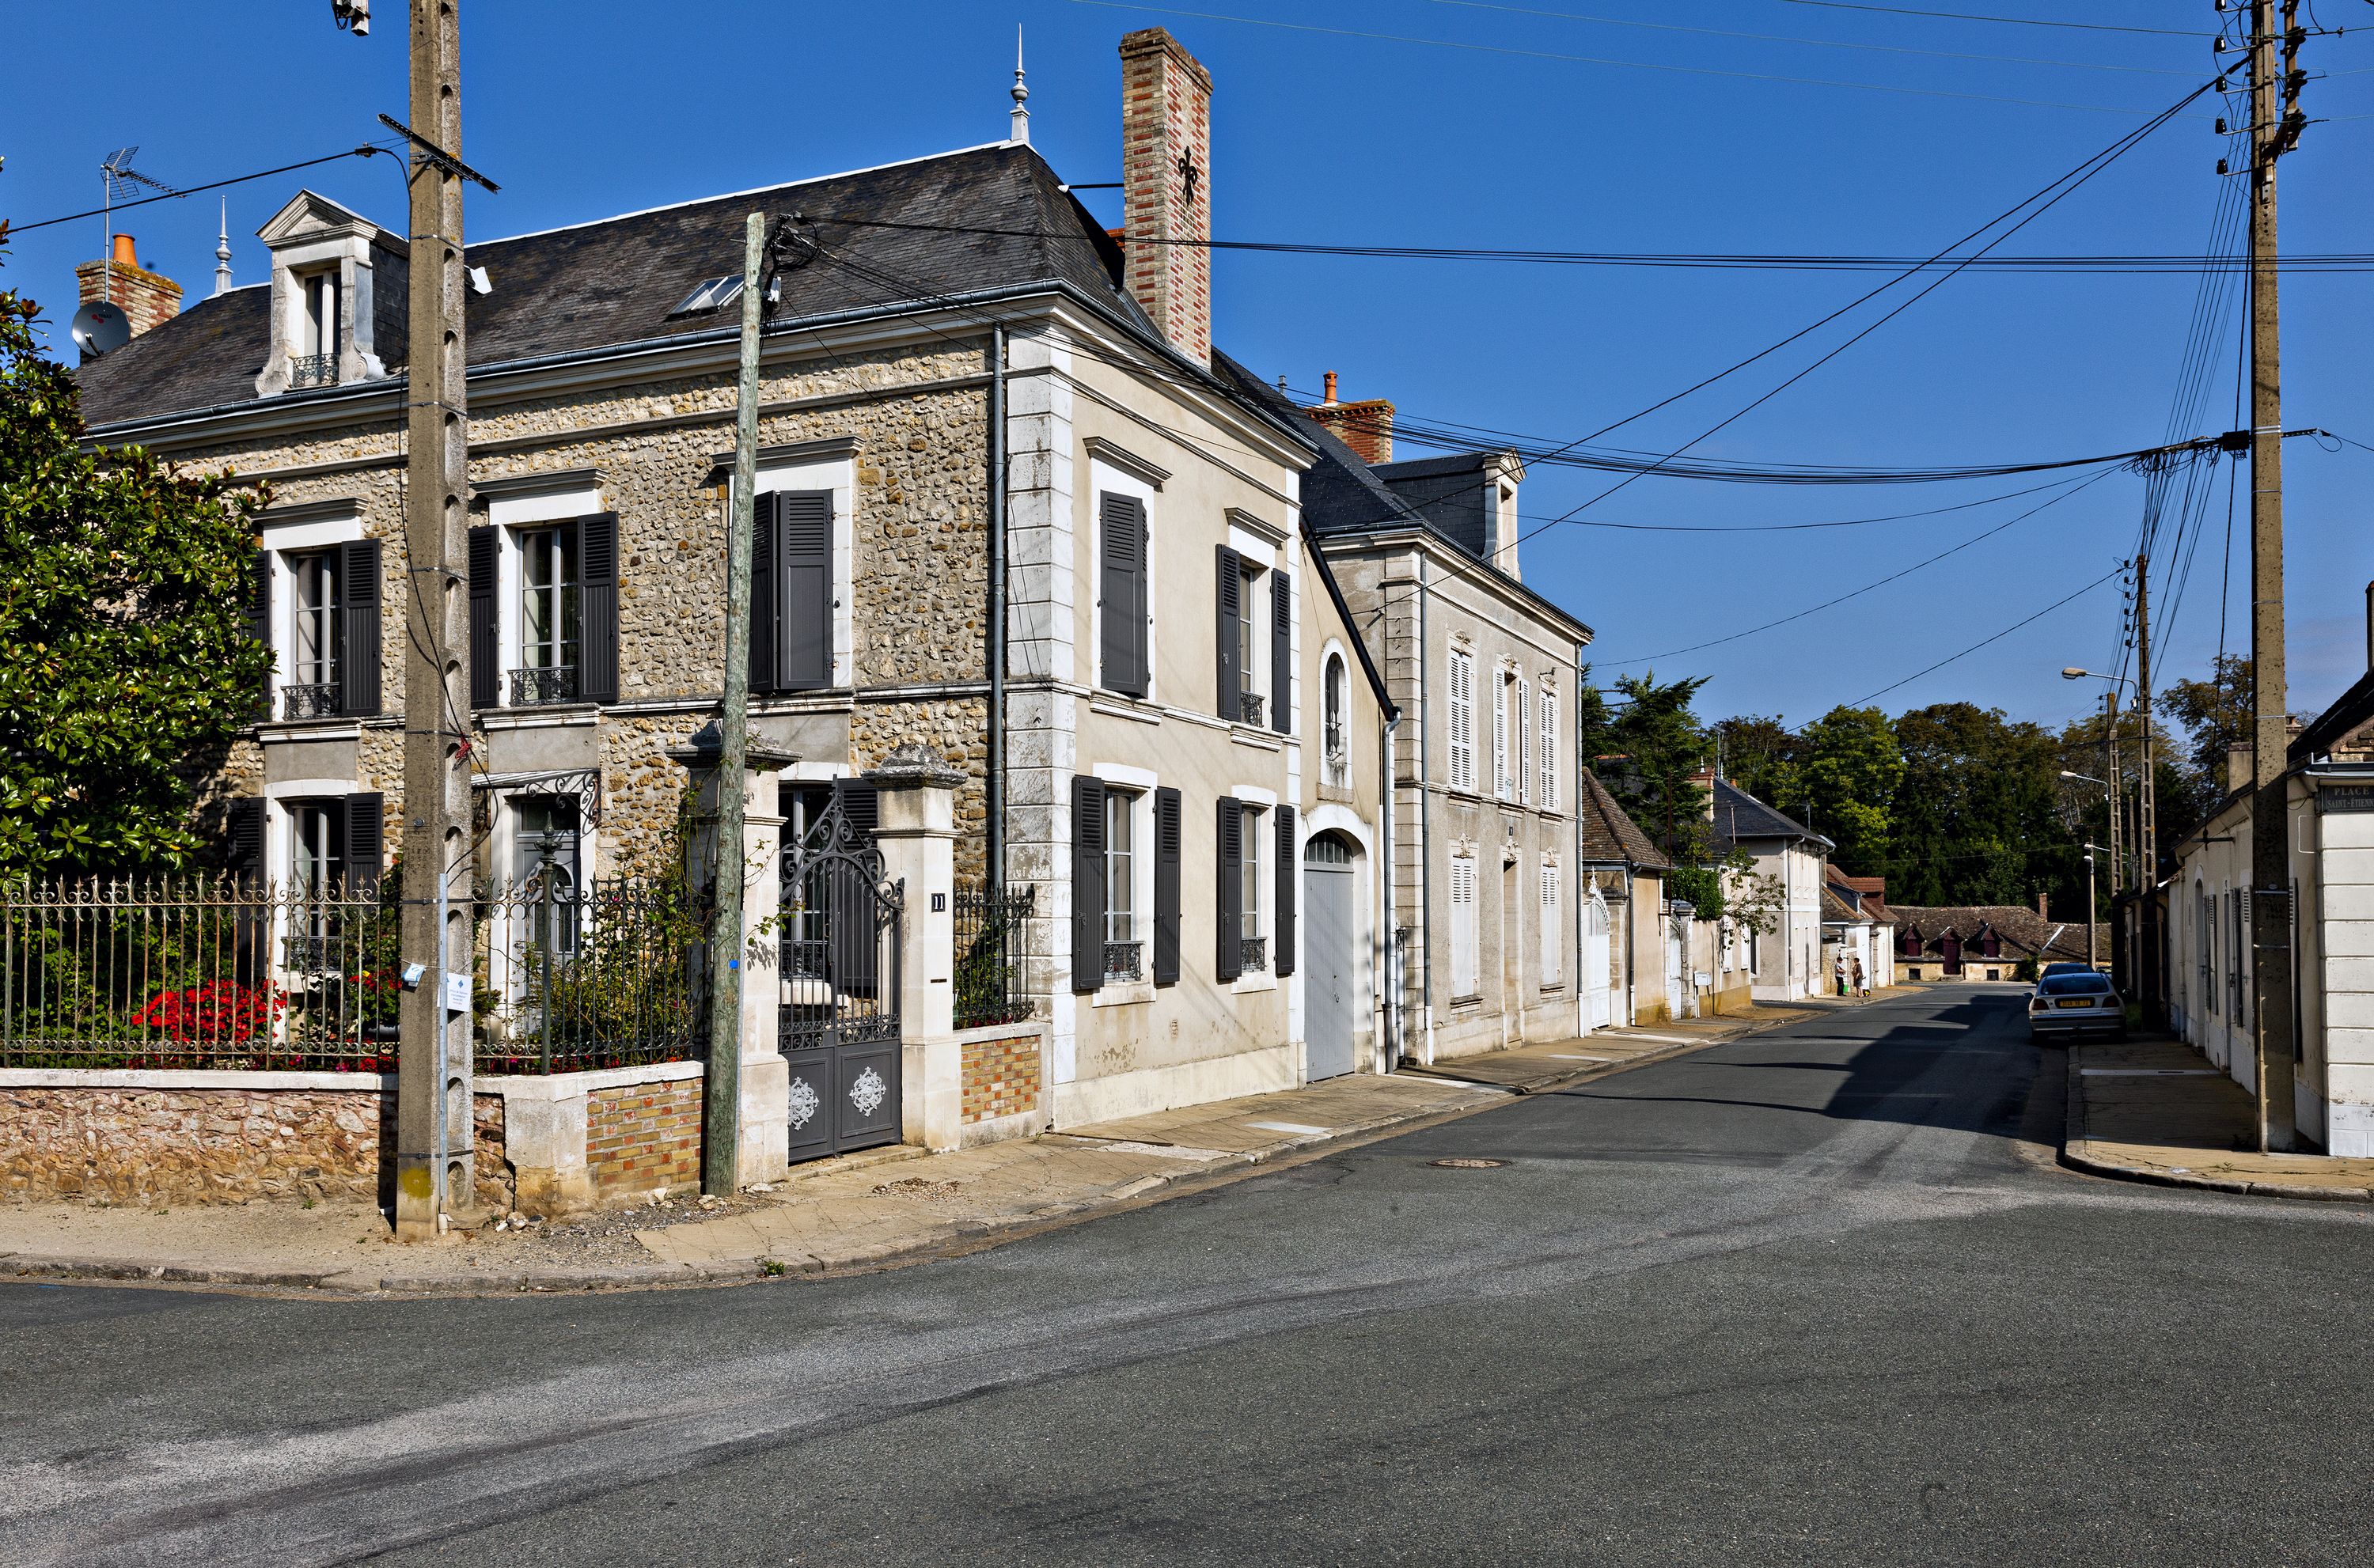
2148, 974
721, 1162
2271, 900
434, 1168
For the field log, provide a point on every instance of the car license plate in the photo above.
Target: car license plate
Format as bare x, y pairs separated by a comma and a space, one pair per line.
2081, 1002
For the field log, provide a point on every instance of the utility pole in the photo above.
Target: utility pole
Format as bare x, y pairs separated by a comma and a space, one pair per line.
2148, 966
2271, 900
2117, 801
2092, 961
434, 1164
721, 1166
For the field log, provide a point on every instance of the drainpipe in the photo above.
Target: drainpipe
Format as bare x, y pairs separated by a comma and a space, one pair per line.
993, 770
1425, 807
1388, 975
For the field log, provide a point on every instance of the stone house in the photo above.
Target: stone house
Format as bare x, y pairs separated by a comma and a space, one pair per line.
1625, 919
1986, 942
1859, 927
2329, 792
1190, 762
1786, 963
1488, 838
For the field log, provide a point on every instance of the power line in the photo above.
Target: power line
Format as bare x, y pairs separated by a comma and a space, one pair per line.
1597, 60
1997, 636
365, 150
2014, 21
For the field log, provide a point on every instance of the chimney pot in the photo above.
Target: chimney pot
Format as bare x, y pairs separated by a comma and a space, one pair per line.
125, 255
1331, 399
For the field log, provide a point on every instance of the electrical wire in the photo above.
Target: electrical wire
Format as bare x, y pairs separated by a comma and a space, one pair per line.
1984, 642
2014, 21
369, 149
1598, 60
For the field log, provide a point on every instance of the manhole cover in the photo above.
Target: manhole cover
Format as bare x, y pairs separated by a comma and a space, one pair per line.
1467, 1164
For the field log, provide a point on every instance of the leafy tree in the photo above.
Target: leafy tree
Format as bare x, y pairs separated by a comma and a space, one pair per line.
1648, 753
1976, 819
125, 661
1765, 757
1852, 771
2216, 713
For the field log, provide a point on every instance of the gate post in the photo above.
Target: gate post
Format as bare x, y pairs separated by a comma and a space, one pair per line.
916, 833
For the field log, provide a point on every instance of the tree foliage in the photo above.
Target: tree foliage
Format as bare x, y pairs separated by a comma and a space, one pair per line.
126, 660
1852, 770
1977, 817
1647, 750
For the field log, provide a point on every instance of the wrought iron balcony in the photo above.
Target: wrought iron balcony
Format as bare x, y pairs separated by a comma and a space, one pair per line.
542, 687
320, 700
312, 369
1256, 955
1122, 962
1248, 708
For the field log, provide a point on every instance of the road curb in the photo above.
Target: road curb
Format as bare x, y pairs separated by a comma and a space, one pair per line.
2077, 1152
350, 1284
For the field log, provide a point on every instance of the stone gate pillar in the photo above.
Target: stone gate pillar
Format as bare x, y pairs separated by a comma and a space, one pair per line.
916, 833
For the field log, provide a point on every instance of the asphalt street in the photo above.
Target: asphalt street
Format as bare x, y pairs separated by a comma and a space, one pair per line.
1819, 1296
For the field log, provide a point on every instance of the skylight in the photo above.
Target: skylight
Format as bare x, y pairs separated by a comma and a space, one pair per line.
712, 295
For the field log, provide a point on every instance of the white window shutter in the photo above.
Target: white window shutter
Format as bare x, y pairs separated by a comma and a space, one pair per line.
1462, 720
1462, 926
1500, 736
1553, 928
1550, 750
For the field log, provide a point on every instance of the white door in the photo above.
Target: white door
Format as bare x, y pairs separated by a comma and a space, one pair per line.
1677, 967
1327, 953
1595, 959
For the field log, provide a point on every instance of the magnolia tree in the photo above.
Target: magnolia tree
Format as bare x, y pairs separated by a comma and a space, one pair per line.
126, 662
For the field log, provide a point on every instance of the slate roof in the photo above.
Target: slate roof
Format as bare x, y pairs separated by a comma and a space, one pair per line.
1839, 910
2022, 932
1739, 815
612, 282
1609, 837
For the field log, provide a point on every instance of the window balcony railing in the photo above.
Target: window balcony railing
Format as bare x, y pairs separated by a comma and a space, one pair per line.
1256, 955
1124, 962
320, 700
312, 369
1248, 708
544, 686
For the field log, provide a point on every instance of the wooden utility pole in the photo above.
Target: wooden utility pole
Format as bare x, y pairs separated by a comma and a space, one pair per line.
434, 1168
2148, 967
2271, 900
721, 1162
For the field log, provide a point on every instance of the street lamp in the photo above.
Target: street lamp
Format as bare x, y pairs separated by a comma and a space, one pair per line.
2110, 746
2090, 963
2108, 805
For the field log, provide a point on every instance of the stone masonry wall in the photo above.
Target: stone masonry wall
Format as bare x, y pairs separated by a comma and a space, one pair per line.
137, 1145
643, 1137
1001, 1077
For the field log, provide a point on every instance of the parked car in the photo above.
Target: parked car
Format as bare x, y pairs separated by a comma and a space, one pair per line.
2078, 1001
2051, 969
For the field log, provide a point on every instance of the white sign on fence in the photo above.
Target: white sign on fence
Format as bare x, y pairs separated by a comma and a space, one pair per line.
457, 993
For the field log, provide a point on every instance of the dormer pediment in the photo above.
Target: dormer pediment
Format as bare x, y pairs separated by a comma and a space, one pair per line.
309, 215
337, 291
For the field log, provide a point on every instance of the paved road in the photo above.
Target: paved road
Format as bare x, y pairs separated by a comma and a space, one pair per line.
1816, 1297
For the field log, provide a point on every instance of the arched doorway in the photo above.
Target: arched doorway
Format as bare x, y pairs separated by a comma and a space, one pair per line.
1332, 991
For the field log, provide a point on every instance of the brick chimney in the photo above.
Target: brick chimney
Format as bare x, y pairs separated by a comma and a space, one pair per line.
2241, 764
2041, 912
1366, 426
1166, 170
146, 298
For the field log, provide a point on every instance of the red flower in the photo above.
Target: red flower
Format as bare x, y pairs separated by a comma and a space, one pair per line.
218, 1009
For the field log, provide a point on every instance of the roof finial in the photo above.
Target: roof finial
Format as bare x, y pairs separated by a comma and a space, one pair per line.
222, 251
1021, 135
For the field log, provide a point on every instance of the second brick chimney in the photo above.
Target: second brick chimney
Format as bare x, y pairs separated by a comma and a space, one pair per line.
146, 298
1166, 170
1366, 426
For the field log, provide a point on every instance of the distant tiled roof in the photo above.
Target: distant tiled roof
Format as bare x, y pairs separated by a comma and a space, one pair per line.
1739, 815
1836, 908
2020, 930
614, 281
1609, 837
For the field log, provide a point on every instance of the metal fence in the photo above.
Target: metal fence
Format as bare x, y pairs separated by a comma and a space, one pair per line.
207, 972
992, 934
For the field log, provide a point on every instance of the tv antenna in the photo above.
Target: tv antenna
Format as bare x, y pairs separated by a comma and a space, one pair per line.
118, 180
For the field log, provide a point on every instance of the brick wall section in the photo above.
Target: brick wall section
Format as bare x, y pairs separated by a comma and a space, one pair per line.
642, 1136
1001, 1077
148, 299
1166, 116
217, 1145
1366, 426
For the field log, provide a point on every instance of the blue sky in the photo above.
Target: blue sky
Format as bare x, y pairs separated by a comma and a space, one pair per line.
1476, 137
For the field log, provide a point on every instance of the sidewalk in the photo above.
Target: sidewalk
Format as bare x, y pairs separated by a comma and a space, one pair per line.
830, 1216
2156, 1111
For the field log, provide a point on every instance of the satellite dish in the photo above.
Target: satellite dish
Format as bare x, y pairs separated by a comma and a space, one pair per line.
101, 328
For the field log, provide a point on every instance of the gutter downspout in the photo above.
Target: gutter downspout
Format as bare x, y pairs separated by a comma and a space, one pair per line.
1425, 811
1391, 968
993, 769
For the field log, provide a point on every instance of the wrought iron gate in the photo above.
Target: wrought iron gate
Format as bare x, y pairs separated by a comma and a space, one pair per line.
839, 951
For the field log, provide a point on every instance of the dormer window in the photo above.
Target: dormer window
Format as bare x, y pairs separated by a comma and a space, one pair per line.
316, 349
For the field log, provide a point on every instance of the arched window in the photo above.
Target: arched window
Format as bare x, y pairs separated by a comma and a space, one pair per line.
1336, 697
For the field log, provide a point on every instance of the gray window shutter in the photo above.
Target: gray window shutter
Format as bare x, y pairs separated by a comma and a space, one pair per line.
1231, 585
1289, 873
803, 607
486, 657
258, 621
764, 594
243, 838
1120, 593
1281, 652
1088, 882
1166, 886
366, 843
1228, 907
861, 806
359, 588
857, 945
597, 562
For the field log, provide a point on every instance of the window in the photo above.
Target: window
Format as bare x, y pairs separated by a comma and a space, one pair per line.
1254, 926
1524, 742
315, 354
310, 689
1335, 693
1463, 719
1248, 702
2205, 930
1549, 760
1125, 946
1122, 660
1462, 926
709, 293
795, 602
1553, 930
1501, 778
317, 846
548, 618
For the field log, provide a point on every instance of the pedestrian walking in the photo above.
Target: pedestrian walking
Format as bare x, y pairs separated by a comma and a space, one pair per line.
1862, 985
